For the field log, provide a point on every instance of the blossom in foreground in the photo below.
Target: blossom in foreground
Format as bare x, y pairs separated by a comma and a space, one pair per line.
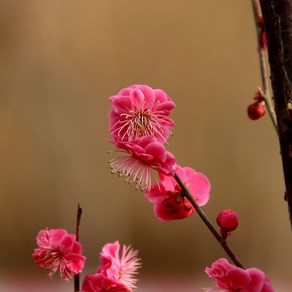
231, 278
59, 250
138, 111
116, 272
169, 201
140, 160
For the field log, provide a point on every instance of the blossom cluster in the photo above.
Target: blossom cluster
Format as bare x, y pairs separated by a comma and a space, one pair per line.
140, 125
59, 251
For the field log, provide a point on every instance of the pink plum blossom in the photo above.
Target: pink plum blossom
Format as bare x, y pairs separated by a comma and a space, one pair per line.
138, 111
234, 279
139, 160
58, 250
116, 273
169, 201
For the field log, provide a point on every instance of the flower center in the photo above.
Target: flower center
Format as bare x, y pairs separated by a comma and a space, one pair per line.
139, 122
142, 123
176, 201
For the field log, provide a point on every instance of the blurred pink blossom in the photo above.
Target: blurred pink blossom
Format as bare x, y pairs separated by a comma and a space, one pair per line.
101, 283
138, 111
141, 157
116, 273
231, 278
169, 202
58, 250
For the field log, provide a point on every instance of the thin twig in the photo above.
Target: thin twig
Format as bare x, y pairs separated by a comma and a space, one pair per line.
208, 223
263, 68
78, 219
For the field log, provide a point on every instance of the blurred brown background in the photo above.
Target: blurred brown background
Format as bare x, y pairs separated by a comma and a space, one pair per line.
62, 59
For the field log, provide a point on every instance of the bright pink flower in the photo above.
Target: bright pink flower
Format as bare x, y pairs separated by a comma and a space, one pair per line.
116, 273
170, 203
138, 111
231, 278
142, 156
58, 250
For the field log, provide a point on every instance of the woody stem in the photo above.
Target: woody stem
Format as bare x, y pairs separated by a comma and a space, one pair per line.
78, 219
208, 223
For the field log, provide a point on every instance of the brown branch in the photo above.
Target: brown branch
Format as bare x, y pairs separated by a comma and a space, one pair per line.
208, 223
277, 16
78, 219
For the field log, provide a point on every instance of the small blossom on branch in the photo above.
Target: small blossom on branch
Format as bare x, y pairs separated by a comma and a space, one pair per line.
232, 278
257, 109
59, 250
227, 221
138, 111
141, 160
116, 272
168, 198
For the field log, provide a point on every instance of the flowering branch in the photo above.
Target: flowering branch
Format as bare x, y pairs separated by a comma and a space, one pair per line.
261, 38
140, 124
78, 219
220, 239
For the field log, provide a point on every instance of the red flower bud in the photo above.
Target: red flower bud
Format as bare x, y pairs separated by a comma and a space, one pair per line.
256, 110
227, 220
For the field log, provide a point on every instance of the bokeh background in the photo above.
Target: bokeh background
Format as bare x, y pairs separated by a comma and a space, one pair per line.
60, 61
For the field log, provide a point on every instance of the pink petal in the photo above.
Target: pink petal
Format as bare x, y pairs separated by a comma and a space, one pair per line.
156, 193
148, 93
157, 150
120, 104
237, 278
165, 106
57, 235
137, 98
257, 280
160, 95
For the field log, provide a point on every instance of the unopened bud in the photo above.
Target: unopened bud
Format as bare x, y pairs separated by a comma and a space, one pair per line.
256, 110
227, 221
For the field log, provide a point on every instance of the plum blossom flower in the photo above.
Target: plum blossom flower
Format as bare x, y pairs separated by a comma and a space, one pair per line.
169, 202
139, 111
58, 250
141, 157
234, 279
116, 273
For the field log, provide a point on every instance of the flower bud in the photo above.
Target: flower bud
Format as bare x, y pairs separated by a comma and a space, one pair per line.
256, 110
227, 220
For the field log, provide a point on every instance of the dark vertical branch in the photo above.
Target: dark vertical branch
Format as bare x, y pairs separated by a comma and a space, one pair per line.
78, 219
277, 16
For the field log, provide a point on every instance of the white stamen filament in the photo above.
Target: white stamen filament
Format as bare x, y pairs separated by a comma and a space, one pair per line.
141, 122
133, 170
